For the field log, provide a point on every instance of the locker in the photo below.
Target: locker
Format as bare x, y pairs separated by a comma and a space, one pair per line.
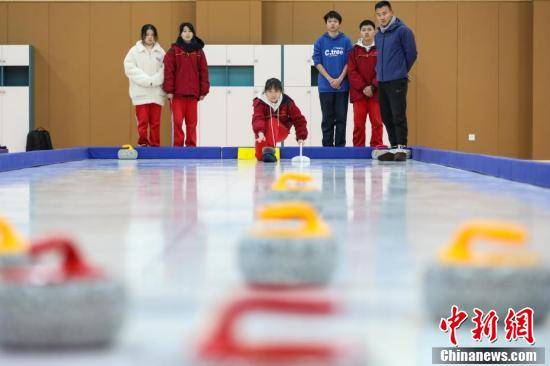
212, 111
239, 116
240, 55
216, 55
267, 63
297, 65
14, 55
14, 112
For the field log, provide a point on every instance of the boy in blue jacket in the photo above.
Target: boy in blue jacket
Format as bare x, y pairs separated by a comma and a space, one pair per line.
396, 56
330, 56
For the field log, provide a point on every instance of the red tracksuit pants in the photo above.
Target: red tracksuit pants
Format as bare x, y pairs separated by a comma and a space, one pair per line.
362, 108
184, 108
274, 132
148, 118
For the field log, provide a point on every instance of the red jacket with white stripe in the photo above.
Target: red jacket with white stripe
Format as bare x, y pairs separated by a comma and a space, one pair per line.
288, 114
362, 71
186, 70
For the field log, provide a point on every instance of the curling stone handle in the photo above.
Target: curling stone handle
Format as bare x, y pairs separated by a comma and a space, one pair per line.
127, 147
10, 242
499, 232
73, 264
292, 211
285, 178
224, 342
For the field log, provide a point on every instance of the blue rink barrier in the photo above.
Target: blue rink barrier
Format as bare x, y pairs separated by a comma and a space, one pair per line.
523, 171
159, 152
517, 170
14, 161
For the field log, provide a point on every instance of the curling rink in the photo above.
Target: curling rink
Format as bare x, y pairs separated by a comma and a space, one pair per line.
169, 229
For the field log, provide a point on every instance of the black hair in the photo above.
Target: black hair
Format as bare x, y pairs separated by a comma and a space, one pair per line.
381, 4
333, 15
367, 22
273, 83
147, 27
188, 25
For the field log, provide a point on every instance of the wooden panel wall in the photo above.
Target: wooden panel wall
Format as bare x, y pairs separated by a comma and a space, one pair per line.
474, 73
3, 22
232, 22
541, 80
437, 86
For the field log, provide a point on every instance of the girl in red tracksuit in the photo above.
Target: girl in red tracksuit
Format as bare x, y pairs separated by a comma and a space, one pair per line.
185, 82
274, 114
363, 87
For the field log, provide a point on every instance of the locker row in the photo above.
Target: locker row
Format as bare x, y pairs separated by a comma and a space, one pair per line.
225, 116
15, 95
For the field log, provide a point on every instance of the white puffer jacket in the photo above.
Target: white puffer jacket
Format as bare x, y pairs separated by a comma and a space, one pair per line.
146, 73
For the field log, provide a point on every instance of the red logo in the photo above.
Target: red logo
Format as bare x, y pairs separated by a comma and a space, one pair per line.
517, 325
520, 325
453, 322
485, 325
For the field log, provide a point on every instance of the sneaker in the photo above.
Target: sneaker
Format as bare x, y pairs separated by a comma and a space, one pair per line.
401, 153
269, 155
382, 153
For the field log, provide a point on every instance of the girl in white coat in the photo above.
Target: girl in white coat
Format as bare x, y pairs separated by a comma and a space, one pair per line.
144, 67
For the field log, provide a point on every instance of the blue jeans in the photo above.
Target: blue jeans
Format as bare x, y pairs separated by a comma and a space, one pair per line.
334, 106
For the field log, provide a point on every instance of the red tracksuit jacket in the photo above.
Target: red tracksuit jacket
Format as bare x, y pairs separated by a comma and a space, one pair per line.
186, 70
289, 115
362, 71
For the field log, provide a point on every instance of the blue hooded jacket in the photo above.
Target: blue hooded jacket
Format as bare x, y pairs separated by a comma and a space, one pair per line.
396, 52
332, 53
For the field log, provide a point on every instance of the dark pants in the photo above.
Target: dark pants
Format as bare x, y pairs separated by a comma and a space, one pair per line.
335, 113
393, 107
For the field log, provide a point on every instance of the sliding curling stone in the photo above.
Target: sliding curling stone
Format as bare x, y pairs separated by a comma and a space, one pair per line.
69, 305
127, 152
298, 250
294, 186
489, 280
13, 248
224, 346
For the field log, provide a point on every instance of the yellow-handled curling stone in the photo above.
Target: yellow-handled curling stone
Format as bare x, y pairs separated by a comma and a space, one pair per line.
294, 186
495, 280
127, 152
290, 246
12, 245
71, 304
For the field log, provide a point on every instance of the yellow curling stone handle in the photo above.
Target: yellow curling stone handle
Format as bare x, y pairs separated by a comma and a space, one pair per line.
459, 251
127, 147
312, 225
282, 184
10, 241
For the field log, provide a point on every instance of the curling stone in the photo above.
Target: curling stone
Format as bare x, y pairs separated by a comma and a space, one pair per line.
293, 186
287, 253
490, 280
72, 304
224, 347
12, 246
127, 152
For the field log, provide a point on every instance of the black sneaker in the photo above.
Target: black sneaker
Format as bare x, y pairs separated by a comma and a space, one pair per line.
400, 153
386, 155
269, 155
